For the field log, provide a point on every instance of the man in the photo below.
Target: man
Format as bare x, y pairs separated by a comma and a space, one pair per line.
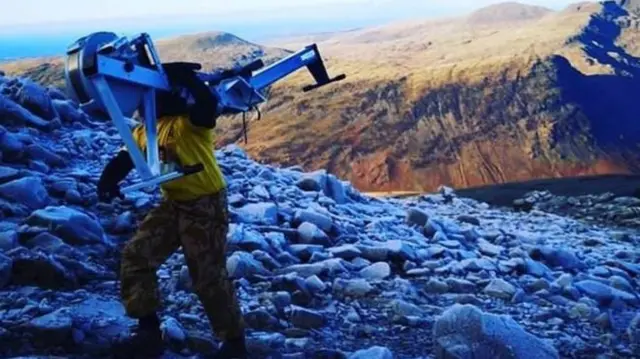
193, 214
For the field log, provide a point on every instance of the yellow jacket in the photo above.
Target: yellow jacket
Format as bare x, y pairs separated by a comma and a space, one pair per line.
181, 142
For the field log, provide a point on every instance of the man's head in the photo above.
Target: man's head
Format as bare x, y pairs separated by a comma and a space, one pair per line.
170, 104
167, 104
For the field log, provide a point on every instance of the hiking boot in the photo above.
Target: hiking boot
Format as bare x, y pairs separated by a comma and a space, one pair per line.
232, 349
145, 341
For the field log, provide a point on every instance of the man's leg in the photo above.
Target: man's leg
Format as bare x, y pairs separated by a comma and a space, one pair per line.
203, 231
155, 240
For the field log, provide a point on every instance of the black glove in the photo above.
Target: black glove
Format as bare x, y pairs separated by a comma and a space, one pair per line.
204, 112
114, 172
181, 73
108, 191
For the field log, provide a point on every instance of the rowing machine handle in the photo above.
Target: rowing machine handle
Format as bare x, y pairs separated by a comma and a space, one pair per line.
188, 170
315, 86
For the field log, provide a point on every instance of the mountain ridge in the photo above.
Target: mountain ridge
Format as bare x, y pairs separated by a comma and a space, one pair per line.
508, 11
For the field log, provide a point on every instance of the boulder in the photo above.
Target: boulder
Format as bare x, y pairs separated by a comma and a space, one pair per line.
29, 191
464, 331
73, 226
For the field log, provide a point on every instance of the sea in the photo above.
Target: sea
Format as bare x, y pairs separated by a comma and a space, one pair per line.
16, 45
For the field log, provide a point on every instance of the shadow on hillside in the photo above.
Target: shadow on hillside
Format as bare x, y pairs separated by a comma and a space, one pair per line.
505, 194
599, 38
610, 102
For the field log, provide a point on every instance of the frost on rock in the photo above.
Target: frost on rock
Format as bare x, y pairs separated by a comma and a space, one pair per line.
72, 225
463, 331
29, 191
320, 269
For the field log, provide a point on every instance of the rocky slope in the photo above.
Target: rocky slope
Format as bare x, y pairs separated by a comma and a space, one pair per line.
508, 93
321, 270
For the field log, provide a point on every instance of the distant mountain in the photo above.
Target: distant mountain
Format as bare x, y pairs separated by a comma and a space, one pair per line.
212, 49
518, 93
510, 11
215, 50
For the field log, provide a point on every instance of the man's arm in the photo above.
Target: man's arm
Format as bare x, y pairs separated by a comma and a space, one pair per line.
203, 113
115, 171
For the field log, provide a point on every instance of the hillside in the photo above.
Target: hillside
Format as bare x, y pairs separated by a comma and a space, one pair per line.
507, 93
450, 102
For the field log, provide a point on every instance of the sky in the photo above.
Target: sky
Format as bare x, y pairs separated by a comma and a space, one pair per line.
30, 12
30, 28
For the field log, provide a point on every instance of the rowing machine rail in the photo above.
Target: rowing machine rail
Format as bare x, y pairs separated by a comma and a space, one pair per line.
116, 76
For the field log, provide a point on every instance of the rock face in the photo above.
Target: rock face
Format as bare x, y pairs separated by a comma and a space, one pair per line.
320, 269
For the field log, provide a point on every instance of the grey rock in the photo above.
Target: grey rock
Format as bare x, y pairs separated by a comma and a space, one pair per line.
465, 218
73, 226
305, 251
436, 286
8, 174
242, 264
416, 217
124, 222
558, 257
376, 271
258, 213
37, 152
602, 292
464, 331
260, 319
16, 114
352, 287
374, 352
402, 307
633, 331
8, 240
306, 318
172, 330
36, 268
315, 284
347, 251
67, 112
36, 99
457, 285
6, 265
309, 233
265, 343
322, 221
336, 190
53, 328
331, 266
246, 239
488, 248
500, 288
313, 181
29, 191
401, 249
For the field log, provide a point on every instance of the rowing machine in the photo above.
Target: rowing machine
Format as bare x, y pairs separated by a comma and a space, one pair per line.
116, 76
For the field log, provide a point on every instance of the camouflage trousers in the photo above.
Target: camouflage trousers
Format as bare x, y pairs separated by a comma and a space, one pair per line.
200, 227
